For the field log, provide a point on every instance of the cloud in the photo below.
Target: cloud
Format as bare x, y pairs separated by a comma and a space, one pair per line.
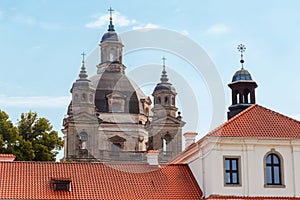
149, 25
31, 21
217, 29
35, 101
118, 20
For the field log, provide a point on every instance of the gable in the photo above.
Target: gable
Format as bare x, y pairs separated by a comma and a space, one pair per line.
166, 120
84, 117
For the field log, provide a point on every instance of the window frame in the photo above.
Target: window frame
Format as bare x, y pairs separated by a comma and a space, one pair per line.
116, 99
281, 170
61, 184
239, 171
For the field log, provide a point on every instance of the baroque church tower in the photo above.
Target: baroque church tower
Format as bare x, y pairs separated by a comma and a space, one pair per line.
166, 126
82, 122
242, 89
109, 116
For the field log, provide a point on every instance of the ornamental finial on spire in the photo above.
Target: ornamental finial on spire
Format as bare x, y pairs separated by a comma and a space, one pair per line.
164, 78
82, 74
110, 12
83, 54
242, 49
111, 26
164, 63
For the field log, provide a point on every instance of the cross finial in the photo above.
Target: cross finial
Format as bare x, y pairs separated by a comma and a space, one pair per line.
110, 13
82, 74
242, 49
111, 26
83, 54
164, 63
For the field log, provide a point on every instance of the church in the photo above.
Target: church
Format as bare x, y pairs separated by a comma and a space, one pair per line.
119, 146
111, 119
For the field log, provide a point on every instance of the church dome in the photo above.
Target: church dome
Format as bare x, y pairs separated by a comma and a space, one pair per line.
241, 75
110, 83
164, 87
111, 36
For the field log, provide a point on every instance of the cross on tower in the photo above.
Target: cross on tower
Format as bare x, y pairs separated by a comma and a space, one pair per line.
110, 12
83, 54
242, 49
164, 63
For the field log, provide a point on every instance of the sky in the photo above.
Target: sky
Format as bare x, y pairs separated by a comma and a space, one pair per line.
41, 44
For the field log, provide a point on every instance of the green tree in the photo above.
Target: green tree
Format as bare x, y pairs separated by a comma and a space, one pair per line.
33, 139
9, 137
38, 131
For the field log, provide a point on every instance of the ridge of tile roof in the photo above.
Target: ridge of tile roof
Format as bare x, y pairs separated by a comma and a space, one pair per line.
8, 155
32, 180
258, 122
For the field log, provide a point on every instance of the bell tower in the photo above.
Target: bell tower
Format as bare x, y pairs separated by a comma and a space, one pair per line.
111, 46
242, 89
81, 123
165, 132
164, 96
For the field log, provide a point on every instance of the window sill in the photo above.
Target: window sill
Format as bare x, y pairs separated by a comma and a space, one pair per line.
232, 185
274, 186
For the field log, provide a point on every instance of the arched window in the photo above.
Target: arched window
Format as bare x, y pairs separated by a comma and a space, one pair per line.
112, 55
273, 169
164, 145
246, 97
83, 139
166, 100
173, 101
235, 97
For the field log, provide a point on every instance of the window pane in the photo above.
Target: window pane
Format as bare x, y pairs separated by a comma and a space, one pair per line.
234, 165
234, 178
275, 159
276, 175
268, 159
231, 171
116, 108
228, 178
269, 175
227, 164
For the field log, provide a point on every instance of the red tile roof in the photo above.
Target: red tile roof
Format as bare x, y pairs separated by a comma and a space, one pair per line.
33, 180
259, 122
216, 197
8, 155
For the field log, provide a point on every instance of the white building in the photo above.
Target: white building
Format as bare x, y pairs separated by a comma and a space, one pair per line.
254, 155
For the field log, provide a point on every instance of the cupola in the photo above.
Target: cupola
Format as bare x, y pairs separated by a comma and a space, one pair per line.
242, 88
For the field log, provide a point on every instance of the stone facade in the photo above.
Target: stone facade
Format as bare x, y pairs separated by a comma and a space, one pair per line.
109, 116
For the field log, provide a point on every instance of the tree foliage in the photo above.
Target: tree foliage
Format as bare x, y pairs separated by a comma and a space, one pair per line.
33, 139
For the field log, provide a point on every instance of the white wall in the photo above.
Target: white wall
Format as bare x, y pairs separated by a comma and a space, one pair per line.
207, 166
